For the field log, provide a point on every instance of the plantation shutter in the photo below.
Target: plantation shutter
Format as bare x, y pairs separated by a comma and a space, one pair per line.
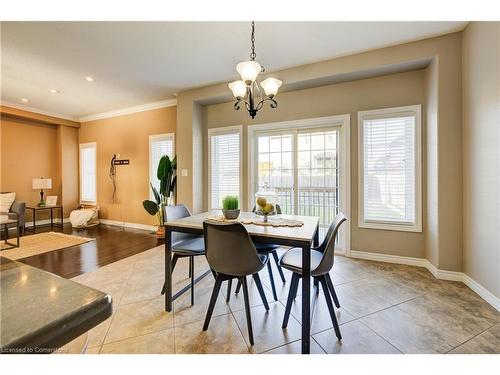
389, 174
224, 167
88, 173
160, 145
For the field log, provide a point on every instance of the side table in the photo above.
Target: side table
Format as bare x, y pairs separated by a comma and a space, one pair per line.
35, 209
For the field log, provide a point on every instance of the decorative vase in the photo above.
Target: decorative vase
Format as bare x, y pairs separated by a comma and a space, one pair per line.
231, 214
160, 231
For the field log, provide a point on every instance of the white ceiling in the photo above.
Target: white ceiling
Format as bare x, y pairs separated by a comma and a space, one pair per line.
134, 63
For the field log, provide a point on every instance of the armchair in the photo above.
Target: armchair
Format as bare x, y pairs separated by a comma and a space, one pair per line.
17, 211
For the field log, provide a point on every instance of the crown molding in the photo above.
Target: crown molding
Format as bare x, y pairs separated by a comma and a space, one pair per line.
129, 110
39, 111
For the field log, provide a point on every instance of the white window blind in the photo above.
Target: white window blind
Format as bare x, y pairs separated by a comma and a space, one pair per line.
159, 145
389, 168
224, 167
88, 173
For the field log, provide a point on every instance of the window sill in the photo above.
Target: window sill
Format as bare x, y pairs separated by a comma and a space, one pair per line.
392, 227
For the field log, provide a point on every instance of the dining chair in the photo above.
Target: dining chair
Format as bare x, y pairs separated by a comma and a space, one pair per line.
231, 254
322, 258
183, 244
271, 250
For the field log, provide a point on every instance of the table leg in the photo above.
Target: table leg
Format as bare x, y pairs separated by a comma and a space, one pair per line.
168, 270
51, 219
62, 219
306, 293
34, 220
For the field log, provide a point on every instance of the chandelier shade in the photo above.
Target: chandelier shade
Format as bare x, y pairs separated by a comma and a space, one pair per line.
271, 86
249, 70
239, 89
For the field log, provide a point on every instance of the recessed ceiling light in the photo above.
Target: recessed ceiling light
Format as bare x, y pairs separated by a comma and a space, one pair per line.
54, 91
24, 100
90, 79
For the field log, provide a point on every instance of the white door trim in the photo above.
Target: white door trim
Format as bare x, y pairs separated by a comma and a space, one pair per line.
342, 121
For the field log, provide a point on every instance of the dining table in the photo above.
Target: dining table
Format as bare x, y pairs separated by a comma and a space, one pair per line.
303, 237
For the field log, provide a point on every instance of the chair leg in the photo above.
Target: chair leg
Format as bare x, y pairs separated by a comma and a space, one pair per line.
247, 309
228, 296
332, 290
258, 283
191, 273
175, 257
213, 300
238, 287
316, 286
293, 289
329, 303
273, 287
280, 270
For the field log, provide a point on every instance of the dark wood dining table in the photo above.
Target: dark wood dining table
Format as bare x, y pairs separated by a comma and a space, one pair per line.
302, 237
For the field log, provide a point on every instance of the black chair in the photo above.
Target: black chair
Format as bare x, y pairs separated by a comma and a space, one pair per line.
269, 249
183, 244
231, 254
321, 263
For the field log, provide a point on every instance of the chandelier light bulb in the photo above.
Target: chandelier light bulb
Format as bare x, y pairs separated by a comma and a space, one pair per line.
239, 89
249, 70
271, 86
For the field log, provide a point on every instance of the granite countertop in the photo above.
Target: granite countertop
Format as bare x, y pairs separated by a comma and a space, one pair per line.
40, 311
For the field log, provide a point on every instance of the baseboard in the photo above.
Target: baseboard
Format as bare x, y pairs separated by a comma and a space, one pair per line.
482, 291
29, 224
128, 225
410, 261
436, 272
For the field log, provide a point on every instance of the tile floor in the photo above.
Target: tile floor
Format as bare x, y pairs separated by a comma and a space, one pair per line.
385, 308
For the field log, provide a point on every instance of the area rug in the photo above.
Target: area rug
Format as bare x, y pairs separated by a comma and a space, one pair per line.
41, 243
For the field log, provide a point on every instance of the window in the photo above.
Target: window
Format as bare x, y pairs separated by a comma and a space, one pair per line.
224, 155
390, 169
88, 174
159, 145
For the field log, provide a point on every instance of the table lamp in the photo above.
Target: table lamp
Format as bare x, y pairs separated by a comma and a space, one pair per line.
42, 183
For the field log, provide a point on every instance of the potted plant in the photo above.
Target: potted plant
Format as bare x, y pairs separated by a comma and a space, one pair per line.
230, 207
163, 197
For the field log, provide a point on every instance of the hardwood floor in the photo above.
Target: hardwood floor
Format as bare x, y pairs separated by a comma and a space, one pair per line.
112, 244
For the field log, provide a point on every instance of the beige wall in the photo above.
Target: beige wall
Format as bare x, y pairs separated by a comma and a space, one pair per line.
29, 150
68, 165
445, 53
343, 98
481, 149
127, 135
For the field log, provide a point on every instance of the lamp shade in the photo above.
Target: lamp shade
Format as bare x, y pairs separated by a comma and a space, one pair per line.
271, 86
238, 88
248, 70
42, 183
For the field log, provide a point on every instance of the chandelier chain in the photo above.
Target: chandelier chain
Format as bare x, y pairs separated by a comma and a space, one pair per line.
253, 55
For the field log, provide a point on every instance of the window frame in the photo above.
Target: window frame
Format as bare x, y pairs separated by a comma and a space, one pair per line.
80, 148
235, 129
416, 112
152, 138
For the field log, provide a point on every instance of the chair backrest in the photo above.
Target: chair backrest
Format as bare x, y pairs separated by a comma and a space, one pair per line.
174, 213
230, 250
327, 247
278, 209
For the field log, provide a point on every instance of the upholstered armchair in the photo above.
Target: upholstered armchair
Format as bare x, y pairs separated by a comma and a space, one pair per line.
17, 211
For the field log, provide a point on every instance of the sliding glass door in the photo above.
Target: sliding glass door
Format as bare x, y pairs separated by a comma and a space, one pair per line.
301, 166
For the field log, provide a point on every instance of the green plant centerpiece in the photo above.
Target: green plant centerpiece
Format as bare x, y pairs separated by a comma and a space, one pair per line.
168, 179
231, 207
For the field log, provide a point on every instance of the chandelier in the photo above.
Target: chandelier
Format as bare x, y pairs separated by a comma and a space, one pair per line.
246, 89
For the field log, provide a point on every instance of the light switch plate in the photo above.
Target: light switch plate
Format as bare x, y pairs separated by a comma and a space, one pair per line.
184, 172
